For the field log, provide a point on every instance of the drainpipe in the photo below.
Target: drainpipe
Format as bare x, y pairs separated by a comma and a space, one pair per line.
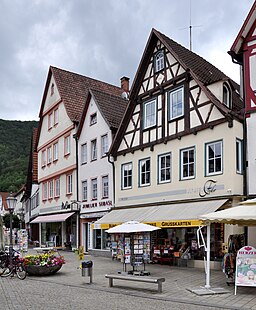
77, 193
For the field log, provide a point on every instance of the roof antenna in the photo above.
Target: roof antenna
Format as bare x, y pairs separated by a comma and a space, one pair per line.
190, 25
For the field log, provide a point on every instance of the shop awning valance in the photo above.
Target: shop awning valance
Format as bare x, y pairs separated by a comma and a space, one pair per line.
164, 216
52, 218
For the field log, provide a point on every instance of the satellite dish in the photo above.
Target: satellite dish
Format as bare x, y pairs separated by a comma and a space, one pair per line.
124, 95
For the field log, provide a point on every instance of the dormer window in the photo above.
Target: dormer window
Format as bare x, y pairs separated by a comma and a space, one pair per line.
93, 119
226, 95
159, 61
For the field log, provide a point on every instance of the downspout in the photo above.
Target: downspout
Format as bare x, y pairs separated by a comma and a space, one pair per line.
77, 192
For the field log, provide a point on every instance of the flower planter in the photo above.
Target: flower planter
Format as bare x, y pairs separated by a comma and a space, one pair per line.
35, 270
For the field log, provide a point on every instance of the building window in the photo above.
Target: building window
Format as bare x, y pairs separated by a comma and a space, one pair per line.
56, 116
214, 158
176, 103
43, 158
149, 116
159, 61
57, 188
45, 191
105, 187
50, 120
69, 184
94, 149
55, 151
226, 96
50, 191
127, 176
144, 172
187, 165
104, 145
239, 156
52, 89
49, 155
164, 168
84, 190
84, 153
93, 119
94, 189
67, 145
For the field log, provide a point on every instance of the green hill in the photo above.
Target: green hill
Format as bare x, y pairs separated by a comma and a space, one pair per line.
15, 142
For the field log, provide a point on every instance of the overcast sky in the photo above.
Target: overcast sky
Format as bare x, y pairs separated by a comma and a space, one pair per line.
103, 39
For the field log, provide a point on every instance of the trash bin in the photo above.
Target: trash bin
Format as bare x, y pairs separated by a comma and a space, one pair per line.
87, 268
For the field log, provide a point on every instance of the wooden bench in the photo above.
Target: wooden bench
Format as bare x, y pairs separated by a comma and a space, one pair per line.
145, 279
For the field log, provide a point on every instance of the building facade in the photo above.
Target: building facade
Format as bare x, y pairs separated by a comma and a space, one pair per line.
178, 153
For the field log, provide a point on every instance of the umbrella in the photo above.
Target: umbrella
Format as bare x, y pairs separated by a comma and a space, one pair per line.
132, 227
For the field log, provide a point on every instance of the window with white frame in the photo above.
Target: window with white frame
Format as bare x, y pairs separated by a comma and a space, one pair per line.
57, 187
50, 189
50, 120
52, 89
43, 158
214, 158
45, 191
94, 188
159, 61
69, 184
49, 155
239, 156
187, 163
127, 176
164, 168
105, 186
226, 96
149, 115
56, 116
144, 172
55, 151
104, 145
67, 145
84, 191
94, 149
93, 119
176, 103
84, 153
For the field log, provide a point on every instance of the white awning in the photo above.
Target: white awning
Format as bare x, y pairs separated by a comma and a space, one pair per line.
52, 218
172, 215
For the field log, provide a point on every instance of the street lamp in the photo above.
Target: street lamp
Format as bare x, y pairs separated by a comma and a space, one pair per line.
11, 203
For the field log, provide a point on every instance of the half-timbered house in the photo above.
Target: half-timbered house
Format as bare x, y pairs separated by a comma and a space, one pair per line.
243, 52
178, 151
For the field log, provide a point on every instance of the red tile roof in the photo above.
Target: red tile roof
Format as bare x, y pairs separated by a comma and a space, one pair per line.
73, 89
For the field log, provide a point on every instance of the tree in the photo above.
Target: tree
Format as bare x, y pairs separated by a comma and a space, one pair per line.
15, 221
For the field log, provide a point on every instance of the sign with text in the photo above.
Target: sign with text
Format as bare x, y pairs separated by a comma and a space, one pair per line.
246, 267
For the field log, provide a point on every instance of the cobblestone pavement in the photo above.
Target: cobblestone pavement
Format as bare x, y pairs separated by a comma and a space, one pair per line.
69, 290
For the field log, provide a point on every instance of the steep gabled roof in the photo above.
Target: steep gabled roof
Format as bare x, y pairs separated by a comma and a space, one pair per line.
73, 89
111, 107
245, 29
203, 72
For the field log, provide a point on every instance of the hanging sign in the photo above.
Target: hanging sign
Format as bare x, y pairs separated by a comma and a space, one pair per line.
246, 267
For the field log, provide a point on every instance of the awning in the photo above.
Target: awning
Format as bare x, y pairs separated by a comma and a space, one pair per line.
52, 218
164, 216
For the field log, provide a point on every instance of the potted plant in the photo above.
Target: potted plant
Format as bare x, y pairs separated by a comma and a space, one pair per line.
43, 264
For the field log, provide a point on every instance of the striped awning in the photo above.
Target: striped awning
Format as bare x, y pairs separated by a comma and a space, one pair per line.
164, 216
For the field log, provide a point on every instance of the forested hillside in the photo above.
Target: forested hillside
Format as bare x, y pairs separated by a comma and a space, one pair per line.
15, 140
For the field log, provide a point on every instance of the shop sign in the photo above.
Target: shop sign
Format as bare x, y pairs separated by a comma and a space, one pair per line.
246, 267
208, 188
175, 224
98, 204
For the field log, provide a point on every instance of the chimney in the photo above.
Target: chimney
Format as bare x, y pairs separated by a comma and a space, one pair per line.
125, 84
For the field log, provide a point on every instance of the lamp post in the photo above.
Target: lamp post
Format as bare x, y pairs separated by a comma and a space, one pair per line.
11, 203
